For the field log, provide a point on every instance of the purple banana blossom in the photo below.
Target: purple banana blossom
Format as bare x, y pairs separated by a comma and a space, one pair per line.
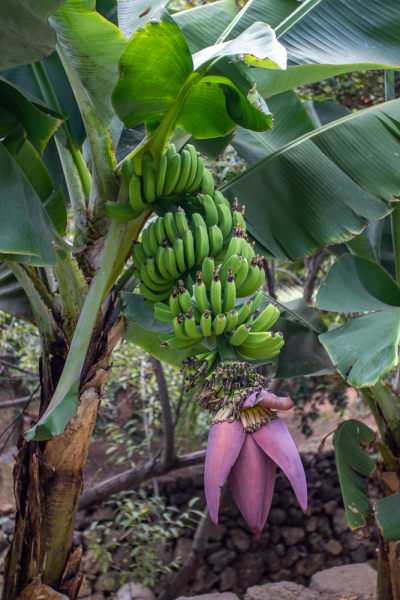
248, 460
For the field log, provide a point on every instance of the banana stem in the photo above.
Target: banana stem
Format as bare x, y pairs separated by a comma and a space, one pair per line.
224, 348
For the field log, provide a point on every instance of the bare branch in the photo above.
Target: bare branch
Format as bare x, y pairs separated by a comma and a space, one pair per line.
269, 274
9, 365
200, 541
168, 425
18, 401
142, 472
292, 275
313, 264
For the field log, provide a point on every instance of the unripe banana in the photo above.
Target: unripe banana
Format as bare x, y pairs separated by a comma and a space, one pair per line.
233, 248
232, 266
256, 301
185, 170
210, 209
207, 183
170, 262
160, 174
160, 262
188, 245
202, 245
170, 341
157, 287
180, 254
193, 330
238, 219
220, 199
154, 296
185, 299
138, 257
163, 313
198, 221
181, 223
155, 274
172, 174
174, 302
200, 294
160, 230
261, 275
216, 294
146, 243
244, 312
153, 238
170, 150
149, 177
177, 324
229, 295
250, 284
193, 165
120, 212
231, 320
242, 273
239, 335
199, 175
216, 240
207, 271
224, 219
246, 250
170, 228
206, 323
266, 319
260, 338
219, 324
127, 170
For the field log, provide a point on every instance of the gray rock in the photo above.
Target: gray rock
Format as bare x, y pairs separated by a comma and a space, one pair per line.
90, 565
241, 540
334, 547
227, 579
105, 513
132, 591
271, 561
290, 557
122, 558
223, 596
354, 580
277, 516
330, 507
77, 538
310, 565
284, 590
315, 541
311, 524
109, 582
339, 521
324, 526
250, 569
204, 580
182, 548
280, 550
221, 559
217, 533
86, 589
293, 535
8, 526
359, 555
177, 499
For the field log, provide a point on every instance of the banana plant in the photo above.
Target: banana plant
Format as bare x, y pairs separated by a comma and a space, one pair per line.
91, 88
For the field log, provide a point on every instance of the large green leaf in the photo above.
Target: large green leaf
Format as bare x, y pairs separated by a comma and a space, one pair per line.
142, 329
356, 284
159, 83
327, 37
325, 112
25, 35
132, 15
55, 421
365, 348
291, 121
353, 464
324, 187
24, 224
387, 514
272, 12
13, 299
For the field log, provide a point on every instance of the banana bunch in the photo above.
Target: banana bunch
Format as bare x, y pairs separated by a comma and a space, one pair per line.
174, 175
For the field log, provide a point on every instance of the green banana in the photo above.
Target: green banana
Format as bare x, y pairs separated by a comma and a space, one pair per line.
149, 177
238, 220
266, 319
181, 223
260, 338
229, 295
174, 302
219, 324
170, 228
261, 275
216, 294
127, 170
170, 150
153, 238
246, 250
160, 262
180, 254
154, 272
172, 173
194, 331
200, 294
231, 320
207, 271
185, 170
170, 262
220, 199
207, 183
160, 174
136, 258
250, 284
157, 287
265, 351
185, 299
163, 313
256, 301
244, 312
232, 266
146, 243
189, 248
233, 248
242, 273
216, 240
199, 175
202, 245
177, 324
120, 212
160, 230
206, 323
154, 296
241, 354
193, 165
224, 219
170, 341
239, 335
198, 221
210, 209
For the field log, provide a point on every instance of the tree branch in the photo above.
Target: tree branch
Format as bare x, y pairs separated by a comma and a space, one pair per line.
168, 425
269, 275
313, 264
142, 472
18, 401
16, 368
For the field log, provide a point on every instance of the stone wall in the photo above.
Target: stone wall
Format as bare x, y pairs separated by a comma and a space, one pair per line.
292, 546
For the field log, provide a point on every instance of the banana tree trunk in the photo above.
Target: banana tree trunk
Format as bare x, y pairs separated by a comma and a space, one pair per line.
389, 552
48, 482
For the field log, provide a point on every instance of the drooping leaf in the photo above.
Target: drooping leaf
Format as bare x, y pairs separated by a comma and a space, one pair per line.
24, 224
132, 15
356, 284
368, 243
26, 20
108, 9
324, 38
272, 12
13, 299
143, 330
353, 464
339, 175
365, 348
325, 111
57, 211
57, 418
387, 514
